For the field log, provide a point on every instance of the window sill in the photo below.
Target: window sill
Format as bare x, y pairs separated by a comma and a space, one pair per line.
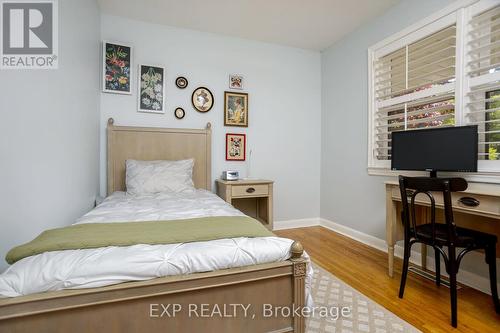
477, 177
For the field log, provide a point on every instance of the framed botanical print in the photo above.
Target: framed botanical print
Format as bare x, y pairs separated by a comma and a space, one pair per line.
235, 147
202, 99
116, 68
236, 81
151, 91
235, 109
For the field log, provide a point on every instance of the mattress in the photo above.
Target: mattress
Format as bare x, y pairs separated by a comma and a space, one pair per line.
90, 268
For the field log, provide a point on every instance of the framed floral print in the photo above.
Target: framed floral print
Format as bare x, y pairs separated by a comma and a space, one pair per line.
236, 81
151, 89
116, 68
235, 109
235, 147
202, 99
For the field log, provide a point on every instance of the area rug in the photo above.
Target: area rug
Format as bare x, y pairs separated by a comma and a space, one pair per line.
361, 314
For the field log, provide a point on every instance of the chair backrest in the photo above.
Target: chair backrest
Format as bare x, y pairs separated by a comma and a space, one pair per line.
410, 187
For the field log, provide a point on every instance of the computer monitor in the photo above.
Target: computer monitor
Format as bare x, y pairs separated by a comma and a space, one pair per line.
439, 149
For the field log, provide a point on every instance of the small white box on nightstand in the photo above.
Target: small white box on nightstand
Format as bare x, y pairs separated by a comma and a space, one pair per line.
230, 175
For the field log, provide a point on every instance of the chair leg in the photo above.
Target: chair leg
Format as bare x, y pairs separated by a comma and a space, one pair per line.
437, 260
491, 261
452, 272
404, 272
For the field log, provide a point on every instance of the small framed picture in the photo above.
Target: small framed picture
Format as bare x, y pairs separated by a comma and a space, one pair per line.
236, 81
235, 147
116, 68
151, 91
179, 113
181, 82
235, 109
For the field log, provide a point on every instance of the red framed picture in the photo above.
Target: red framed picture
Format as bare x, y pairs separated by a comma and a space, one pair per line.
235, 147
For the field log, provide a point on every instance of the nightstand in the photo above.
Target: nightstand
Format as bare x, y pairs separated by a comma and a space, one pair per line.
254, 197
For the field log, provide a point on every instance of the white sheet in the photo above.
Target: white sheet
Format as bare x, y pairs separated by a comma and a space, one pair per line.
122, 207
88, 268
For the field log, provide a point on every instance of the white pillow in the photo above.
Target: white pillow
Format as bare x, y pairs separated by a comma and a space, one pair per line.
147, 177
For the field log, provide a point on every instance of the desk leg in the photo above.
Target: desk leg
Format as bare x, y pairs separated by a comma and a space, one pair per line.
390, 228
390, 252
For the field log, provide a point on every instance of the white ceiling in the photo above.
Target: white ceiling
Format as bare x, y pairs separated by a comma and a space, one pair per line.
308, 24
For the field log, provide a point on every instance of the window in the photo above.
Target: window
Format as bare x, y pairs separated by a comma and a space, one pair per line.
482, 69
444, 71
419, 67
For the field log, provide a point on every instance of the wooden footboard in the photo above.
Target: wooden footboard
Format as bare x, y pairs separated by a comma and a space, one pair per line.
246, 299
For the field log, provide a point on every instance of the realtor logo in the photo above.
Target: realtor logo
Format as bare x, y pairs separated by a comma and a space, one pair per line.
29, 34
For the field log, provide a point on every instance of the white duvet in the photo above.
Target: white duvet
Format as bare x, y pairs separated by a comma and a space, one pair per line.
89, 268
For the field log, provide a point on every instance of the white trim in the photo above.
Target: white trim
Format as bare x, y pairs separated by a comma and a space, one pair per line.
299, 223
483, 79
465, 277
437, 90
426, 21
482, 6
460, 54
372, 241
412, 36
371, 108
477, 177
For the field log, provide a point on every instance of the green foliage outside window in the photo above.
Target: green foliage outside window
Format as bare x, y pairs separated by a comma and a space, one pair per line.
493, 125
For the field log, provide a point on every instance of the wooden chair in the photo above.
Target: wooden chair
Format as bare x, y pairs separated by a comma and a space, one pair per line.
446, 234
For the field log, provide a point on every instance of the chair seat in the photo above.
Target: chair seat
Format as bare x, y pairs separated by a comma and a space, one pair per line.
465, 237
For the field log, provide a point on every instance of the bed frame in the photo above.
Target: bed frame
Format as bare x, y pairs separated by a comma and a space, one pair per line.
147, 306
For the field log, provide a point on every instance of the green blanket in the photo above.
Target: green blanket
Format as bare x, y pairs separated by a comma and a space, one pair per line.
94, 235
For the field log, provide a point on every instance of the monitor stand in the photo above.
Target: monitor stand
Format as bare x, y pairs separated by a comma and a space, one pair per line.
433, 173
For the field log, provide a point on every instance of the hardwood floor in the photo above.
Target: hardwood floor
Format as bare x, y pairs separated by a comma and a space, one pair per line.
424, 305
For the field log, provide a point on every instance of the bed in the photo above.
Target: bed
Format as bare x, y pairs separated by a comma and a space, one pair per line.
110, 304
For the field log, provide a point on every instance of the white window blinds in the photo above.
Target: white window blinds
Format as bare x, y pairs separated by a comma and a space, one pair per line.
482, 101
414, 88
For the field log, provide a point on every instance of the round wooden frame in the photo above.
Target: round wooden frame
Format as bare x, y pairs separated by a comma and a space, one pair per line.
211, 95
183, 113
179, 80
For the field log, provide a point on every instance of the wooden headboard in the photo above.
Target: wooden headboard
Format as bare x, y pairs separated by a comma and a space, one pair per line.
151, 143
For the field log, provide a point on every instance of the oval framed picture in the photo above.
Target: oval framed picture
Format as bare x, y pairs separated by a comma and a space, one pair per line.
202, 99
179, 113
181, 82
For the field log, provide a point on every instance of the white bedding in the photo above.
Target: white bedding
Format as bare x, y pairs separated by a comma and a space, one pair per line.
88, 268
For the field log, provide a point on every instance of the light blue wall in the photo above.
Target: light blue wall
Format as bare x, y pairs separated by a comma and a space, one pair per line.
350, 196
49, 133
284, 118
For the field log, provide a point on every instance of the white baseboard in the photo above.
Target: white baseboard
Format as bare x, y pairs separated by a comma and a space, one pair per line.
467, 278
300, 223
372, 241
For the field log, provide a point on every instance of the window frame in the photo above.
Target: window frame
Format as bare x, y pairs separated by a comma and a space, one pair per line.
457, 13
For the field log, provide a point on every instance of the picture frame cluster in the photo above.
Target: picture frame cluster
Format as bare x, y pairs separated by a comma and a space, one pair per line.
236, 115
117, 74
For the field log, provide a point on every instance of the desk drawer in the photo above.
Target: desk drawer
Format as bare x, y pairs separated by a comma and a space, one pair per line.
249, 190
488, 205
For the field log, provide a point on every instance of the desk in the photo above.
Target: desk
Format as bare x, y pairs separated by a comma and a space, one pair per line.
484, 217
